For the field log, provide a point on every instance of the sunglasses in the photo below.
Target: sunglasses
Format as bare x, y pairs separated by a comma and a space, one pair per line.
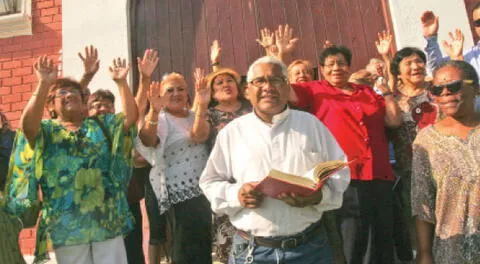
452, 87
476, 23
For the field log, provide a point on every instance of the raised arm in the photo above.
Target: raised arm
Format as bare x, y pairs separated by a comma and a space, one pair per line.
91, 64
201, 128
430, 24
384, 48
146, 66
148, 131
215, 55
46, 72
285, 42
118, 73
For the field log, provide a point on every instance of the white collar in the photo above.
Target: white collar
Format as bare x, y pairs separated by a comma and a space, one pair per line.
276, 119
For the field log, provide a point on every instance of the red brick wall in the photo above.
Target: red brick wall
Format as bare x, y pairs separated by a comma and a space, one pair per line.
17, 79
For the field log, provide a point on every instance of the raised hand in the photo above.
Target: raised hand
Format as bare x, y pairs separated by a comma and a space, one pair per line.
429, 24
267, 41
119, 70
215, 52
91, 63
148, 63
454, 48
384, 42
283, 39
45, 70
156, 99
202, 92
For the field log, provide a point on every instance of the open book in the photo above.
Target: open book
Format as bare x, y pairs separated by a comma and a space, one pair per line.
278, 182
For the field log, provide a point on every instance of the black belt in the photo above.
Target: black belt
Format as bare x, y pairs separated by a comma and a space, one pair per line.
285, 243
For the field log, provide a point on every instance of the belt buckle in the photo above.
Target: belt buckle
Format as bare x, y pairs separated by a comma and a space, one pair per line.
287, 243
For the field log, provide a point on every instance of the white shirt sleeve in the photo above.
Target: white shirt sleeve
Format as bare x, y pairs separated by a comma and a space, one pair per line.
216, 180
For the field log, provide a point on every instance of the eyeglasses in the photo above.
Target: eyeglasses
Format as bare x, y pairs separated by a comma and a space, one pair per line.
98, 105
274, 81
452, 87
63, 93
476, 23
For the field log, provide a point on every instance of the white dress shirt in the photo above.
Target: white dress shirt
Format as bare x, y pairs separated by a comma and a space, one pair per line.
245, 151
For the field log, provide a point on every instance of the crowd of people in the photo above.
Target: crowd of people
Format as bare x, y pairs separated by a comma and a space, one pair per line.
410, 192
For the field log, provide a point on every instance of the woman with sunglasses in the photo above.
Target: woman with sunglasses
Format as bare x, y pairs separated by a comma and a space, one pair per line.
446, 172
82, 174
407, 79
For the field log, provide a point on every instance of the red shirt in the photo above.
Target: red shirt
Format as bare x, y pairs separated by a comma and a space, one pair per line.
356, 121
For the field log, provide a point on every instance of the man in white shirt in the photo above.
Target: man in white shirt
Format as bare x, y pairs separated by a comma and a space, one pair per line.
273, 136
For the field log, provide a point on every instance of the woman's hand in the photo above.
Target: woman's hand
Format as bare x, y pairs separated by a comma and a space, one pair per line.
202, 92
384, 43
267, 41
91, 63
215, 52
45, 70
284, 41
156, 99
429, 24
119, 70
454, 48
148, 63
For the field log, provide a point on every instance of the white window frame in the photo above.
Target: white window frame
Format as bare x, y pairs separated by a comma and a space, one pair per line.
17, 24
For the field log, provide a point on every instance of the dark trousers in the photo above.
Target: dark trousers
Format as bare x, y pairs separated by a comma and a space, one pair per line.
366, 221
134, 240
191, 222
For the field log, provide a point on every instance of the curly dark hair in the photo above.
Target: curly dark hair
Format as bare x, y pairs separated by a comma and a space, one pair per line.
334, 50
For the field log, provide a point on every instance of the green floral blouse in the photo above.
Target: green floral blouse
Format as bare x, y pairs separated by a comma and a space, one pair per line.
83, 182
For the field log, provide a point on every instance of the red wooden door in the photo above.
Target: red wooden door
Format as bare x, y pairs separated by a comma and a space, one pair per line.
183, 30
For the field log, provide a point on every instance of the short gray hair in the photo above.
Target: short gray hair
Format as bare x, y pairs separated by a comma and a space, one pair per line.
266, 60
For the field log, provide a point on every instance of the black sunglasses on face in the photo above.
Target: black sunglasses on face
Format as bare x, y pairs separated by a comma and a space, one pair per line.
452, 87
476, 23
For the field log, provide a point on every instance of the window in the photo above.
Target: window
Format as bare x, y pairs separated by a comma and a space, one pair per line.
9, 7
15, 18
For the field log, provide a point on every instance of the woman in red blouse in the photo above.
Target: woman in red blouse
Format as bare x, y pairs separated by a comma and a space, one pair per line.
357, 117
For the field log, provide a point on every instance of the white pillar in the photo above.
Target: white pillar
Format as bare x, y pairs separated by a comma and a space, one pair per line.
103, 24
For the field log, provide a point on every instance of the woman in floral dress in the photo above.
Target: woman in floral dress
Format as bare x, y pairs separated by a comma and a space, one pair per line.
82, 165
446, 172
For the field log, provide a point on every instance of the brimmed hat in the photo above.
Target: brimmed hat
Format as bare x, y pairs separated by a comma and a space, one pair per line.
211, 77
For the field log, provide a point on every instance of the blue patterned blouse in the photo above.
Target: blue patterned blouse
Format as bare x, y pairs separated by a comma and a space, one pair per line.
83, 182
